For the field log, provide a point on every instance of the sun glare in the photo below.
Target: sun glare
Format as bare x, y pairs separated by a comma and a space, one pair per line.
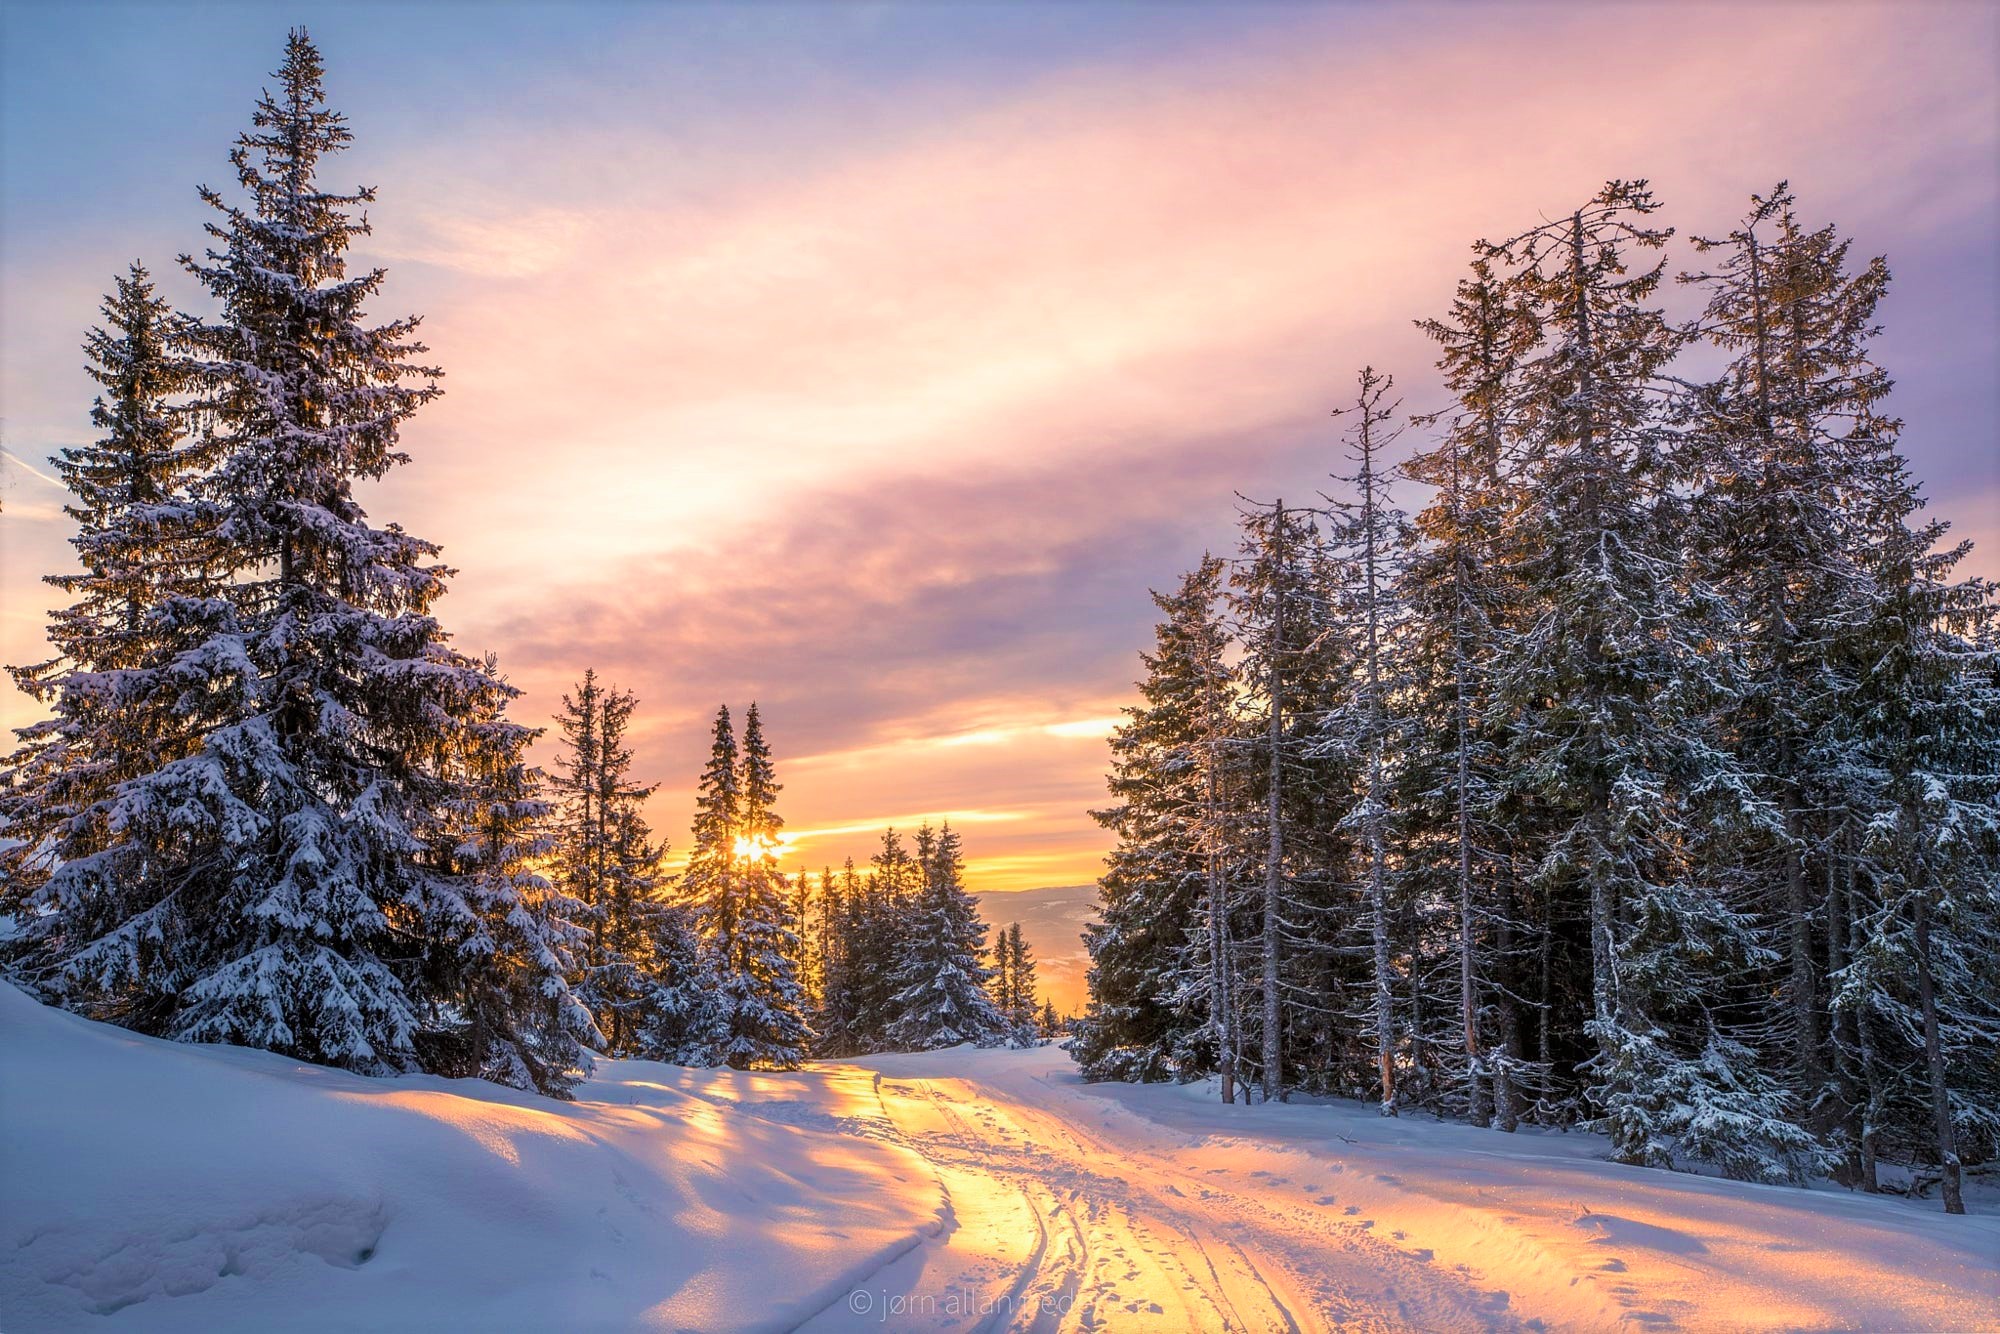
759, 846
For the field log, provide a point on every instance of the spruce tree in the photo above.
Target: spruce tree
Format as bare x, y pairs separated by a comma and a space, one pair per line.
1925, 717
940, 995
289, 872
1293, 672
1366, 537
1022, 1008
1457, 829
1156, 1007
68, 878
1616, 682
752, 940
522, 1026
297, 830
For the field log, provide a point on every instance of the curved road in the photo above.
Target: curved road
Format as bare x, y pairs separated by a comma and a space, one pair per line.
1070, 1207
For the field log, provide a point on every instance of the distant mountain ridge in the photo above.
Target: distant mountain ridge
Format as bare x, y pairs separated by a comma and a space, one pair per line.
1052, 921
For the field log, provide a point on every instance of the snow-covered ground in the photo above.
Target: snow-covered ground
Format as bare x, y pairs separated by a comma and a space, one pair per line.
151, 1186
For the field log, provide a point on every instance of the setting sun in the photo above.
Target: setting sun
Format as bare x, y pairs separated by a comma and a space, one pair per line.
754, 847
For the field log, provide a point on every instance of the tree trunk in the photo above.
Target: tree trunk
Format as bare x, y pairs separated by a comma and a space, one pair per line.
1378, 889
1468, 999
1840, 1024
1506, 1098
1275, 855
1947, 1143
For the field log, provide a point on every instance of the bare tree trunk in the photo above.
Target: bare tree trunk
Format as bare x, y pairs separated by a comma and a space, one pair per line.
1275, 856
1378, 890
1468, 998
1218, 970
1840, 1024
1506, 1098
1947, 1141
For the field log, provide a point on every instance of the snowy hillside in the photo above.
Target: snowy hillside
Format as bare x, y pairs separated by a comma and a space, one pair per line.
207, 1188
201, 1188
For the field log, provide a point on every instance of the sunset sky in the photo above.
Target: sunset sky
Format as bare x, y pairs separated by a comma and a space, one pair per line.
872, 362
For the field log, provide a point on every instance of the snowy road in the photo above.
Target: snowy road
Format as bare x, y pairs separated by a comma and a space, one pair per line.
1071, 1207
153, 1186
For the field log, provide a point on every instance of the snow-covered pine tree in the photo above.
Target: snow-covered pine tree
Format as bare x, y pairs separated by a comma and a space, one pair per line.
1366, 537
748, 928
835, 1021
289, 862
711, 867
143, 595
1023, 1006
1924, 711
806, 958
884, 920
580, 846
518, 1022
1774, 479
626, 979
1153, 1010
608, 865
1001, 988
1616, 681
1293, 670
940, 981
1450, 832
682, 1022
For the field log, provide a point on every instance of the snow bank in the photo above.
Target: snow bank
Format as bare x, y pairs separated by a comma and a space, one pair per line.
146, 1184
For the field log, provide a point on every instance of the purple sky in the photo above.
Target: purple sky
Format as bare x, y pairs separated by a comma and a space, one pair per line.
872, 362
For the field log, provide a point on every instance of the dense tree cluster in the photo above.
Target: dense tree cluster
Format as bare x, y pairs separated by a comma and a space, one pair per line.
1646, 778
898, 956
272, 805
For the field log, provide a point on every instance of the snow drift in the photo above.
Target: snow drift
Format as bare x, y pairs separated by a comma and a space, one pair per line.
173, 1187
149, 1185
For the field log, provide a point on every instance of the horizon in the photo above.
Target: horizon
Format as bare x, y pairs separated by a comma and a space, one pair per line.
917, 522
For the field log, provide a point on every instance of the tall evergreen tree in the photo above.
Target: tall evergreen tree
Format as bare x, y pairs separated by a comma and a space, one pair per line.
1292, 674
1615, 681
521, 1025
1456, 825
1151, 1014
142, 597
623, 980
1925, 715
941, 996
294, 872
750, 937
1021, 1007
1367, 536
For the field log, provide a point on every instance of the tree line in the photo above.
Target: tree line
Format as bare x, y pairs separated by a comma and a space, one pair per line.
734, 962
273, 805
1648, 778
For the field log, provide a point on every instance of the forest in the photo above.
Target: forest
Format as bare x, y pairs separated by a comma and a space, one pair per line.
1643, 780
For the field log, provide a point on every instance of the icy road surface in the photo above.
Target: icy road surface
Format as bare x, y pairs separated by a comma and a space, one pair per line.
1067, 1206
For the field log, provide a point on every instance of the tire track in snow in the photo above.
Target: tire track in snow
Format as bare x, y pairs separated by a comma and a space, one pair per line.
1131, 1231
